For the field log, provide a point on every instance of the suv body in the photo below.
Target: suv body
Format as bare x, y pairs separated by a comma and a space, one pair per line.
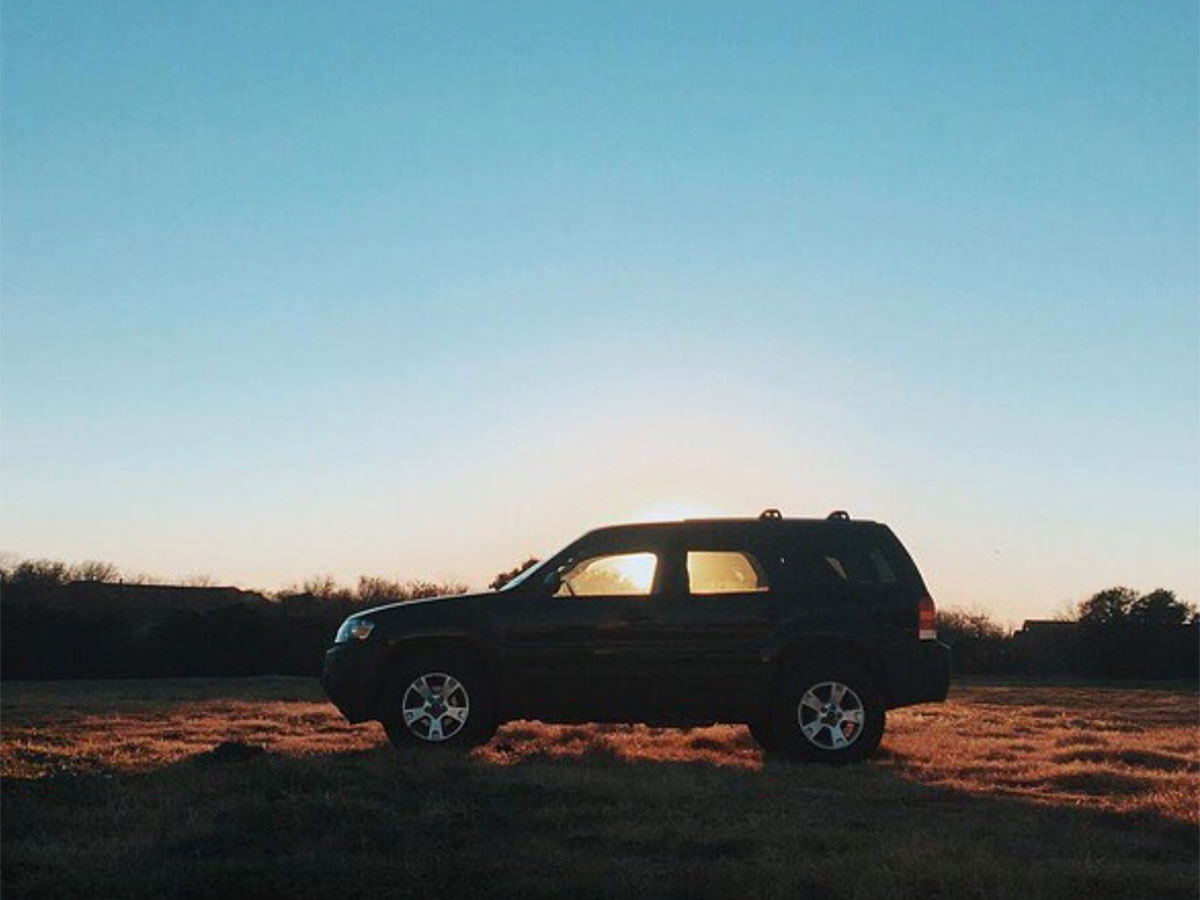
805, 629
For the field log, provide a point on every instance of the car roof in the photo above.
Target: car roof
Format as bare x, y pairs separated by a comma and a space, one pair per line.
763, 523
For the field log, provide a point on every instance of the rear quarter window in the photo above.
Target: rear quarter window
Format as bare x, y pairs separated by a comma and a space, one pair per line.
861, 557
861, 565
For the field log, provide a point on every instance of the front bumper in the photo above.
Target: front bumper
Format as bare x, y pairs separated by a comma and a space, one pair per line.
350, 682
918, 673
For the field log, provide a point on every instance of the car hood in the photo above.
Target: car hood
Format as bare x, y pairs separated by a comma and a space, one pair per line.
389, 610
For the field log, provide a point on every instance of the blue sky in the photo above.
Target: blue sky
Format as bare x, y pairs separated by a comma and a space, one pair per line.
418, 289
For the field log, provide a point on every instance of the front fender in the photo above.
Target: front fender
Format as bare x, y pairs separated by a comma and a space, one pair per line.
397, 648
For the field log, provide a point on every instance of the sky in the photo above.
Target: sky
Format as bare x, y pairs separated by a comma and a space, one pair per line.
421, 289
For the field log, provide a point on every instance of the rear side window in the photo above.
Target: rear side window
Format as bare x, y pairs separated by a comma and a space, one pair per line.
724, 572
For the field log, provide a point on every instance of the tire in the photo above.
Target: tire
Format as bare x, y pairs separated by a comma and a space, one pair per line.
763, 734
439, 701
831, 713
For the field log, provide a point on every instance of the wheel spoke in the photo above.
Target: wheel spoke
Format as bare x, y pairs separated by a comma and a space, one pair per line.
413, 715
810, 700
457, 713
421, 686
836, 693
449, 686
853, 715
811, 729
837, 739
435, 729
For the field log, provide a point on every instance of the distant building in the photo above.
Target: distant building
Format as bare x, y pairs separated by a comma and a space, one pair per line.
1047, 647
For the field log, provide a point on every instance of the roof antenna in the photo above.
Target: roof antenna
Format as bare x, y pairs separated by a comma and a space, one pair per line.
770, 514
840, 515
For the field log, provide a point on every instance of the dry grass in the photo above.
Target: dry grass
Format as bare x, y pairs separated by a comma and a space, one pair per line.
1129, 751
1035, 791
1102, 747
130, 726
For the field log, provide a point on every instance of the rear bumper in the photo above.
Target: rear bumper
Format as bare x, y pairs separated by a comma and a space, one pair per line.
349, 681
918, 673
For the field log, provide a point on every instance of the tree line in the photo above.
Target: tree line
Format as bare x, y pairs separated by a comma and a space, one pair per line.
1115, 633
86, 621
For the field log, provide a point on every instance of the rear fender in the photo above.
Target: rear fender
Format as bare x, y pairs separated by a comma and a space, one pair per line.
815, 650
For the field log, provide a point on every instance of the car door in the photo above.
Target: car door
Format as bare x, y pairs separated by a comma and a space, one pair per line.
574, 650
713, 632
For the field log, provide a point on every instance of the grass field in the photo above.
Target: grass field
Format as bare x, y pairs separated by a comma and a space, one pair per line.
110, 789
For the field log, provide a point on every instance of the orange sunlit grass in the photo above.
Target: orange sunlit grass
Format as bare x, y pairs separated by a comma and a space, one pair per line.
1103, 748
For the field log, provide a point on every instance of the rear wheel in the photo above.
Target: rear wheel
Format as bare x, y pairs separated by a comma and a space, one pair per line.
829, 714
439, 700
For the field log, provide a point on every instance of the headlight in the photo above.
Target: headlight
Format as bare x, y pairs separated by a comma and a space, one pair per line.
354, 629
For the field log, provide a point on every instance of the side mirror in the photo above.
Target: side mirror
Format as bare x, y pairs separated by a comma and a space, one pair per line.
552, 582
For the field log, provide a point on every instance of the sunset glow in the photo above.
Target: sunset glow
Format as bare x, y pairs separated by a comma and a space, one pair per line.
671, 511
422, 292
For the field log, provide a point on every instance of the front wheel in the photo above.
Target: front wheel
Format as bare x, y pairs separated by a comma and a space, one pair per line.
439, 700
828, 714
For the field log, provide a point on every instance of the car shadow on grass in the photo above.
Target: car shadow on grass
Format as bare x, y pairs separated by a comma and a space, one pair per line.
566, 817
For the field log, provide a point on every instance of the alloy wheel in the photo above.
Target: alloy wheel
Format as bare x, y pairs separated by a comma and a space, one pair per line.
831, 715
435, 707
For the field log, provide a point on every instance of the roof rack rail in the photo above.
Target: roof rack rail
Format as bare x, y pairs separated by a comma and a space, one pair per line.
839, 515
771, 513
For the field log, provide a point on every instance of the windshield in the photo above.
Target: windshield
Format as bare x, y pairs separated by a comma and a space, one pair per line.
526, 575
560, 561
562, 558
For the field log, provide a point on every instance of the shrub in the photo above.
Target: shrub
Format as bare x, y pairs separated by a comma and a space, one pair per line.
978, 645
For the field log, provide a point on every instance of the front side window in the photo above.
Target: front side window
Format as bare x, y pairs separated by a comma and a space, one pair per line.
621, 574
724, 572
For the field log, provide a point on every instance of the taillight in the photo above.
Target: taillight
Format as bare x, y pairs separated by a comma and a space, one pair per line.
926, 619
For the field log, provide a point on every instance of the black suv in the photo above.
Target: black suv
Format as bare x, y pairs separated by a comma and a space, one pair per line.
807, 630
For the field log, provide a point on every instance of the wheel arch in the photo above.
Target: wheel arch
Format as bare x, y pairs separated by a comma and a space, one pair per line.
400, 650
831, 650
